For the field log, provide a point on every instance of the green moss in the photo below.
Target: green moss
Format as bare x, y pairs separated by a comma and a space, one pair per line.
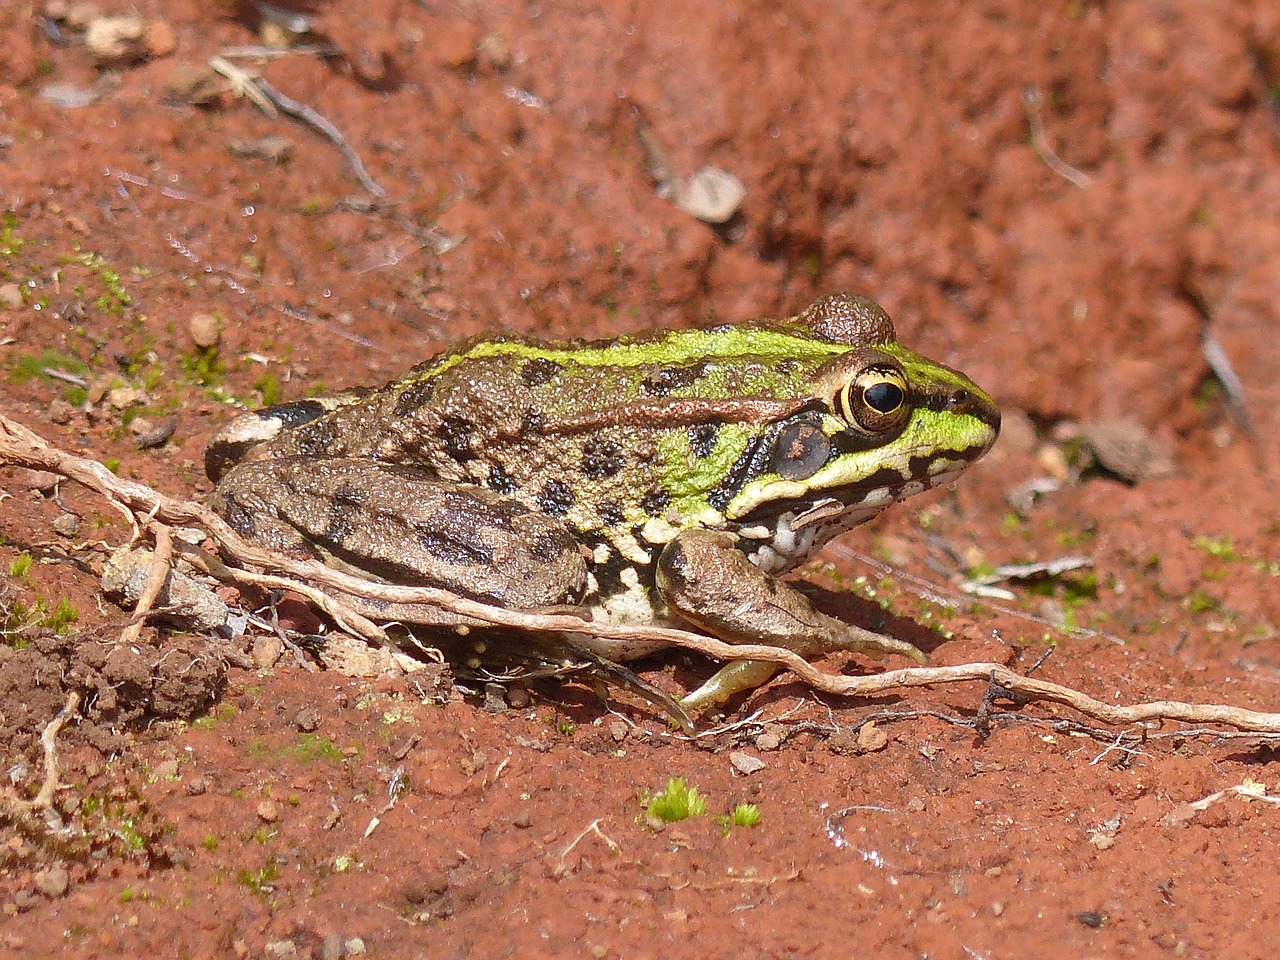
1220, 548
308, 748
21, 565
62, 616
28, 366
1201, 602
269, 386
261, 881
677, 802
10, 243
743, 815
203, 366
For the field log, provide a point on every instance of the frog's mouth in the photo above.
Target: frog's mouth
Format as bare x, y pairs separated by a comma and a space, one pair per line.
782, 534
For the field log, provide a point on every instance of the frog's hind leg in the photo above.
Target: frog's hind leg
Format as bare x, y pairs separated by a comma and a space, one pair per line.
402, 526
707, 580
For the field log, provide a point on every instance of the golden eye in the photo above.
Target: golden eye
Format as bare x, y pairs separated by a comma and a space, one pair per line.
876, 399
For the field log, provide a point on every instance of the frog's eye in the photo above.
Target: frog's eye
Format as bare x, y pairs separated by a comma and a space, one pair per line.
875, 399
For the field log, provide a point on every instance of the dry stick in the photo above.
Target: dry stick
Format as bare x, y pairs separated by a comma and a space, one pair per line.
1032, 101
21, 447
156, 578
48, 741
325, 127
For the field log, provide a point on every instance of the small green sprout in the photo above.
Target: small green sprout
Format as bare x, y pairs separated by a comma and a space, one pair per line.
745, 815
677, 802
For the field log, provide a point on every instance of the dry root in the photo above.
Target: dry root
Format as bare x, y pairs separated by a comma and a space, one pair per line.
246, 563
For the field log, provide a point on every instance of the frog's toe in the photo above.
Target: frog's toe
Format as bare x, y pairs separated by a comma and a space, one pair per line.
737, 677
874, 643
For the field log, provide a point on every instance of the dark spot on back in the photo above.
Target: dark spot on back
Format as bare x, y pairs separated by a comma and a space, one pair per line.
539, 371
500, 481
663, 381
611, 513
546, 547
413, 397
532, 422
656, 502
703, 439
555, 498
608, 573
344, 514
456, 544
455, 433
315, 439
601, 459
238, 516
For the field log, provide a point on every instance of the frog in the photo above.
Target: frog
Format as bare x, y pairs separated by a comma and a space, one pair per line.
670, 477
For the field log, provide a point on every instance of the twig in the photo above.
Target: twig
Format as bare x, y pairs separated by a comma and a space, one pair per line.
592, 827
21, 447
325, 127
48, 741
161, 561
1032, 100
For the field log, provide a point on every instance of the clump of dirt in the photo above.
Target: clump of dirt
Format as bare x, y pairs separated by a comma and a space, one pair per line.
120, 685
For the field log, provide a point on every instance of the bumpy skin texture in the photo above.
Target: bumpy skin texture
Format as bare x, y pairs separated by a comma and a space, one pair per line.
663, 477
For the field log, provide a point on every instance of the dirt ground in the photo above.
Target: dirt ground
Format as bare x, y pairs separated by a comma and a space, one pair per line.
1075, 203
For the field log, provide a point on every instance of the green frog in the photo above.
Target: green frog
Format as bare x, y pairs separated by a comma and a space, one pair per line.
669, 477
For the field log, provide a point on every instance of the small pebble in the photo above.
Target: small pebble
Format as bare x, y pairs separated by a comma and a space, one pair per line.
307, 720
871, 738
148, 435
768, 742
618, 730
66, 525
53, 881
10, 296
280, 949
268, 811
41, 480
266, 651
60, 412
745, 763
121, 398
518, 698
332, 948
204, 330
120, 38
495, 700
160, 39
355, 947
165, 770
197, 786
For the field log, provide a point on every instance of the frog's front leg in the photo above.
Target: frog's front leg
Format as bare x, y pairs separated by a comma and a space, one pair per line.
707, 580
402, 526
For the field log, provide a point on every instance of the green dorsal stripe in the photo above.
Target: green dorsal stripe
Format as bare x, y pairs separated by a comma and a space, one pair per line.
672, 348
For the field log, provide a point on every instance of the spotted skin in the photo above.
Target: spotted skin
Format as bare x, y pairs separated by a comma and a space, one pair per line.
766, 438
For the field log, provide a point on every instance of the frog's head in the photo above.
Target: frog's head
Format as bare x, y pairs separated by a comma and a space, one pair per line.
885, 423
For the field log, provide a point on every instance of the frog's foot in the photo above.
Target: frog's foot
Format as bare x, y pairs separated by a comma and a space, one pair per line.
706, 579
